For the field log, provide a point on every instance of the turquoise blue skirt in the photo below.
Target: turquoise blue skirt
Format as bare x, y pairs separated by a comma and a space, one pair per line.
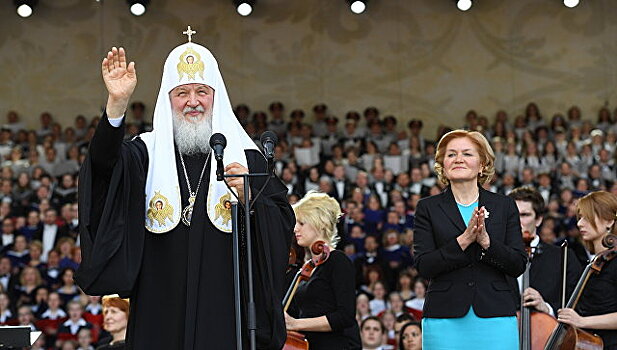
470, 332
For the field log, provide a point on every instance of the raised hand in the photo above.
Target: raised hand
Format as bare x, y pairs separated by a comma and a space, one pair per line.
120, 80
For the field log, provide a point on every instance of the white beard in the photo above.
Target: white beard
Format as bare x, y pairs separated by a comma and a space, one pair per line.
192, 138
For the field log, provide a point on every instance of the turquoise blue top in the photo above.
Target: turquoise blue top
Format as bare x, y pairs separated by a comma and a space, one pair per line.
467, 211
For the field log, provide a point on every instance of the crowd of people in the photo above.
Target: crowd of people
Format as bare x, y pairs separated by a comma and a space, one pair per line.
374, 167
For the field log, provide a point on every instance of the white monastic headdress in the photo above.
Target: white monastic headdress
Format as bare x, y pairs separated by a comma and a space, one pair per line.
186, 64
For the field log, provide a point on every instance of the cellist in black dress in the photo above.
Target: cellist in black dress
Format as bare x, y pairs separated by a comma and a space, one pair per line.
597, 308
323, 308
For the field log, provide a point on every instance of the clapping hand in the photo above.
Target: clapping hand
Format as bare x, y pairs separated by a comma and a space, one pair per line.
471, 232
482, 238
120, 80
476, 231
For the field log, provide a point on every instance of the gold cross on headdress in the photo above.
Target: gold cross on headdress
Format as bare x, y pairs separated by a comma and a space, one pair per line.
189, 33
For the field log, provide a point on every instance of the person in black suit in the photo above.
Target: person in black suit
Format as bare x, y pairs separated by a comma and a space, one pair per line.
8, 281
323, 308
51, 233
341, 187
468, 243
544, 293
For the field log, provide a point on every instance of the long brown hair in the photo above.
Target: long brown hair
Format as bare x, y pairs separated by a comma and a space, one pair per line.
600, 204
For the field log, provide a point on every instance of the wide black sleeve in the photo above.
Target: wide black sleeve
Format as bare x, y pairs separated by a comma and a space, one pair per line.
509, 256
111, 212
273, 220
103, 154
343, 286
430, 260
105, 146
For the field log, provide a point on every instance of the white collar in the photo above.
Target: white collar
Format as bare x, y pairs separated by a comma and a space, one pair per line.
393, 247
81, 322
53, 315
535, 241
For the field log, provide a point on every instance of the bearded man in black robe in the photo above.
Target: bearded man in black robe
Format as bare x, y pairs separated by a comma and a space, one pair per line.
155, 224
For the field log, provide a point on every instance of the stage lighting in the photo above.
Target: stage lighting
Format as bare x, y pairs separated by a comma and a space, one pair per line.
25, 7
357, 6
138, 7
244, 7
571, 3
463, 5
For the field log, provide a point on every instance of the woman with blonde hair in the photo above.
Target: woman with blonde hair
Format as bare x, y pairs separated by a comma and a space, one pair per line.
597, 307
29, 281
323, 308
468, 243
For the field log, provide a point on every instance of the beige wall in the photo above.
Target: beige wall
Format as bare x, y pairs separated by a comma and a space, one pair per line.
410, 58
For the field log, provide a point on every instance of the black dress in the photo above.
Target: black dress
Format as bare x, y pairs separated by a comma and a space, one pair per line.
329, 292
599, 298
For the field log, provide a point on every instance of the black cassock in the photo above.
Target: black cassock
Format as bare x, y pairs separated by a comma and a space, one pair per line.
180, 282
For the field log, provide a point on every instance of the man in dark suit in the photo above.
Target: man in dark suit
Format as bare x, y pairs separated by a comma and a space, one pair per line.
369, 259
51, 233
7, 280
341, 187
544, 274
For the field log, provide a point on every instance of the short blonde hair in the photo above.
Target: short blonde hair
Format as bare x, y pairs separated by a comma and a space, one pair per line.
322, 212
36, 243
487, 156
37, 275
599, 204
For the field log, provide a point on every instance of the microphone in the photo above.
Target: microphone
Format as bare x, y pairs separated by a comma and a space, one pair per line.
218, 142
268, 142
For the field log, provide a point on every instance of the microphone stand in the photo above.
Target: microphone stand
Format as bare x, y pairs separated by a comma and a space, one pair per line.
251, 312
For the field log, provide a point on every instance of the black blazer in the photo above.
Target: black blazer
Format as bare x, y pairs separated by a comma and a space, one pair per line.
346, 191
545, 275
61, 232
473, 277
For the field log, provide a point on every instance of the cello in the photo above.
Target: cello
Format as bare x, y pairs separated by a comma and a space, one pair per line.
534, 327
321, 253
567, 337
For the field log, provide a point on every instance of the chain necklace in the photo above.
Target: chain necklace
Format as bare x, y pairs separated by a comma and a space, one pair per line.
187, 212
470, 204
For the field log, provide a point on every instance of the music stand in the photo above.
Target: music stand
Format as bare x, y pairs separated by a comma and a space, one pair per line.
17, 337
